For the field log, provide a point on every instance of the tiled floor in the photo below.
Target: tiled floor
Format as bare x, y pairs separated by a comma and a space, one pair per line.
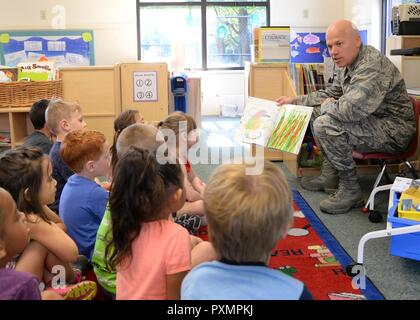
220, 132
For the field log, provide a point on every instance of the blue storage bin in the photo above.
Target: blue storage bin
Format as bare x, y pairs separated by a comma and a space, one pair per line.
405, 245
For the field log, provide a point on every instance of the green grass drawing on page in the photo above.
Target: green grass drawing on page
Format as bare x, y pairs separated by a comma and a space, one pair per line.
295, 134
288, 132
295, 138
284, 130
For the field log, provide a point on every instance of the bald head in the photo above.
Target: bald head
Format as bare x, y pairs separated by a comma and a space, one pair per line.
345, 27
344, 42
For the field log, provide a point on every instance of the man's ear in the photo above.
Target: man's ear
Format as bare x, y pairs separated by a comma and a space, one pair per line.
358, 41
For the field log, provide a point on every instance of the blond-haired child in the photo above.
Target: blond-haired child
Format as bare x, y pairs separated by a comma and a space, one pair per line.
62, 117
247, 215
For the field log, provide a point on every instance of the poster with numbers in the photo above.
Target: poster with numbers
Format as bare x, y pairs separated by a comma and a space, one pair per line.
145, 86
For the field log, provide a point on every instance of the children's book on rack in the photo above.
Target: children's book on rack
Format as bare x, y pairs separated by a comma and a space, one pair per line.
306, 78
271, 44
277, 127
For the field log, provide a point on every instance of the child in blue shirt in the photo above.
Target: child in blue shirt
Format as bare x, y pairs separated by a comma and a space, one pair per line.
247, 215
83, 201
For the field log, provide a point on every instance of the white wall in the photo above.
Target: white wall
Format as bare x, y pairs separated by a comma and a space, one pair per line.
306, 14
113, 22
366, 15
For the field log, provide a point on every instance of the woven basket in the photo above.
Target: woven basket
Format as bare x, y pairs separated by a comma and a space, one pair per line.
24, 94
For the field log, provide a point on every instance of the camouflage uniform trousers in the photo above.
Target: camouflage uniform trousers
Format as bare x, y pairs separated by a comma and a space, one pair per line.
337, 140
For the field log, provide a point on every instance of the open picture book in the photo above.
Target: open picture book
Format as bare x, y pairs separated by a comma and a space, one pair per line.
282, 128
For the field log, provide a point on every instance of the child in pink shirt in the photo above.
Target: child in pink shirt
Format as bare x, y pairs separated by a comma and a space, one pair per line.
152, 254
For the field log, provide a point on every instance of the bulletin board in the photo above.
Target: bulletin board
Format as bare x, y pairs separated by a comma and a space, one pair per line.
64, 47
311, 47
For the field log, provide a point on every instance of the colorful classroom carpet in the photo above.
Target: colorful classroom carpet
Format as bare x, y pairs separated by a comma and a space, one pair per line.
311, 254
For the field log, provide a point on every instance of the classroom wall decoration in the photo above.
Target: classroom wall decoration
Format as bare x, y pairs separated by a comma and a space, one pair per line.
311, 47
64, 47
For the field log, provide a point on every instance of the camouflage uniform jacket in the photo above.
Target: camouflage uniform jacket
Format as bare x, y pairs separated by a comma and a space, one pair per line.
370, 89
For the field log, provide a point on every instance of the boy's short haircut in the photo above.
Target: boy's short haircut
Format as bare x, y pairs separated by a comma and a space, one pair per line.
58, 110
37, 113
81, 146
142, 136
247, 214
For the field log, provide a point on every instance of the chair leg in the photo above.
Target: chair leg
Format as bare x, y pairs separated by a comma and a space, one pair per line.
386, 174
381, 174
378, 180
411, 168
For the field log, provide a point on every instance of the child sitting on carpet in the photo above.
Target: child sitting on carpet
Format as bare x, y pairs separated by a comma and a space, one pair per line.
151, 253
25, 172
14, 238
144, 137
136, 135
62, 117
247, 215
83, 201
184, 128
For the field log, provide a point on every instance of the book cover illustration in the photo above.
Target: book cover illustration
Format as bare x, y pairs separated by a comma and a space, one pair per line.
268, 125
273, 44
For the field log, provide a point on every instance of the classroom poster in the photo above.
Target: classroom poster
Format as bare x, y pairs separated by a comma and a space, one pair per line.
311, 47
64, 47
145, 86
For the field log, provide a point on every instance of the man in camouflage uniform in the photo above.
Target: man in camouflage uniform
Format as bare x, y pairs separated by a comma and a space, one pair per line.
366, 108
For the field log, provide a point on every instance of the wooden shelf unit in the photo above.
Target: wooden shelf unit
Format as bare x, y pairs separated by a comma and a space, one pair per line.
268, 81
104, 91
16, 122
97, 90
409, 66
